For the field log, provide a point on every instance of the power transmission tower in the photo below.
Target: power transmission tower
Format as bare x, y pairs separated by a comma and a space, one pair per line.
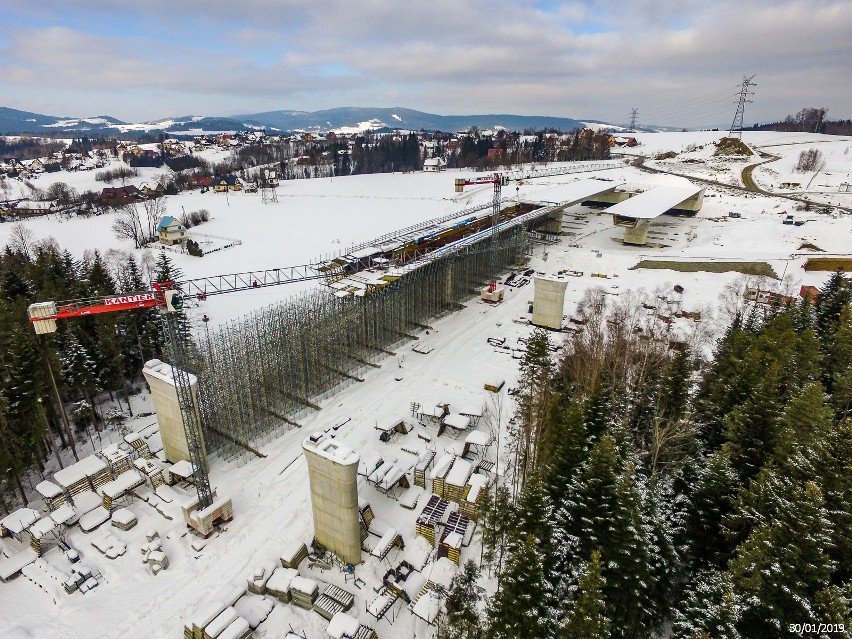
737, 125
634, 115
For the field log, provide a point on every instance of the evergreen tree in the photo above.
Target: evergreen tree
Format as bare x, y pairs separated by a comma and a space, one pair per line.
833, 464
753, 430
462, 619
569, 445
709, 609
784, 563
834, 296
588, 618
711, 499
519, 609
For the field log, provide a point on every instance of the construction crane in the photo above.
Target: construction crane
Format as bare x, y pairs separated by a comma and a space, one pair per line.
168, 300
501, 179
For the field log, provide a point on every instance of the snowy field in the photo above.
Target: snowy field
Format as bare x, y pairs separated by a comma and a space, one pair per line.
317, 218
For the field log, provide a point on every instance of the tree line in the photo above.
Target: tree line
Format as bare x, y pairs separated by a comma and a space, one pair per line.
654, 494
53, 385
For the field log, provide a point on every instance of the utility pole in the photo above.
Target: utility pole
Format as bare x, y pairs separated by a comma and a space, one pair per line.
634, 115
737, 125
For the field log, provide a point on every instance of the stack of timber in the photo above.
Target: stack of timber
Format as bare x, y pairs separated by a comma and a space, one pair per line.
422, 465
426, 605
332, 601
380, 606
453, 536
239, 629
473, 495
293, 554
112, 490
366, 511
215, 628
139, 444
123, 519
258, 579
303, 592
456, 480
342, 626
430, 517
278, 584
152, 469
116, 458
75, 478
40, 531
440, 471
365, 632
52, 494
390, 539
210, 609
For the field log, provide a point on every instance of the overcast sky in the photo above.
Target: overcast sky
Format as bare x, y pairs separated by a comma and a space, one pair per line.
679, 62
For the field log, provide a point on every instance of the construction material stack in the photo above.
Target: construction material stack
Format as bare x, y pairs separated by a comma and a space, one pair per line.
293, 554
303, 592
440, 472
430, 517
423, 463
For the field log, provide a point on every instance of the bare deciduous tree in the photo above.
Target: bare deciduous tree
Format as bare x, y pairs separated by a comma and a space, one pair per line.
22, 239
128, 226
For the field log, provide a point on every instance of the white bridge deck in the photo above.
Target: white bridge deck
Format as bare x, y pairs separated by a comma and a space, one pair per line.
654, 202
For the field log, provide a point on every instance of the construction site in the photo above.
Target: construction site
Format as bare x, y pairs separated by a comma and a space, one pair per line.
315, 467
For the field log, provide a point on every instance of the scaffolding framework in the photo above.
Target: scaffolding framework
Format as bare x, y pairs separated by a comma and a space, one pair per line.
261, 374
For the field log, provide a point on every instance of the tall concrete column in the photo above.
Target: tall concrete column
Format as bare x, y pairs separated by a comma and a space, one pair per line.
333, 474
548, 301
159, 377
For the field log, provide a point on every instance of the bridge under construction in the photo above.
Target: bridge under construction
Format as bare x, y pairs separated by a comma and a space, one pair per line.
261, 374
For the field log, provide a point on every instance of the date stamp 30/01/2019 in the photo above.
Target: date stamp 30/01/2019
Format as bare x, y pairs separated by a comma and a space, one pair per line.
805, 629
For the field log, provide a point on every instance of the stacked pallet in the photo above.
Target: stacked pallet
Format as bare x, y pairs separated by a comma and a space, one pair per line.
224, 619
293, 554
453, 537
380, 606
278, 584
332, 601
117, 488
366, 512
123, 519
303, 592
473, 495
52, 494
75, 478
202, 521
210, 610
390, 539
430, 517
39, 531
151, 469
365, 632
139, 444
239, 629
116, 458
456, 480
101, 477
342, 626
424, 461
439, 472
258, 579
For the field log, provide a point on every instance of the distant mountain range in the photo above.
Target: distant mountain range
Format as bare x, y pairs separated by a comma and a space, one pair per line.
346, 119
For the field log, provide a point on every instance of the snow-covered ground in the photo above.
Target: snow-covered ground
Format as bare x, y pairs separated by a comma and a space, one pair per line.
321, 217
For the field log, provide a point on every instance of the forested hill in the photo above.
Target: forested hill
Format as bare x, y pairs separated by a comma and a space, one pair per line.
653, 491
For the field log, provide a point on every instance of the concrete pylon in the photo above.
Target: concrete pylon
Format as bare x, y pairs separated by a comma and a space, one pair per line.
548, 301
159, 377
638, 233
333, 474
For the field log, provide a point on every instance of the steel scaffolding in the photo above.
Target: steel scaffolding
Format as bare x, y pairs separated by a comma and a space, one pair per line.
261, 374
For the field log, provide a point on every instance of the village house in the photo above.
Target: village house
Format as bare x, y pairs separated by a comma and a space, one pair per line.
227, 183
170, 231
433, 165
117, 196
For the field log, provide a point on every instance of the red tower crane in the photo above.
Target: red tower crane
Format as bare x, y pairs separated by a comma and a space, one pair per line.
169, 301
